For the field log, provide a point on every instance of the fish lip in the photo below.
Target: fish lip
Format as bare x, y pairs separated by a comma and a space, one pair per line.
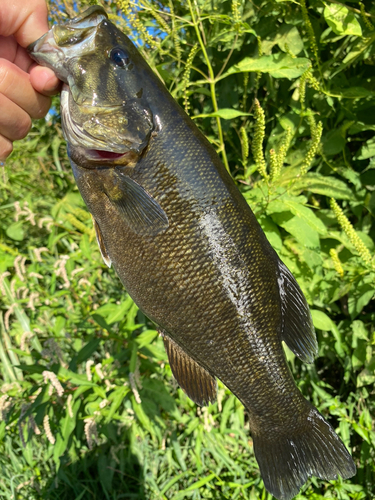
94, 155
91, 159
46, 52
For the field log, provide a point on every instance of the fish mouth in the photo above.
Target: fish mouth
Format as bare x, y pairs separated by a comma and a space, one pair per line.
105, 155
98, 146
65, 40
98, 158
100, 155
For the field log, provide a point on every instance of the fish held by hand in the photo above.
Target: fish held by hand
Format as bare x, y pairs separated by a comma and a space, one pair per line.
188, 248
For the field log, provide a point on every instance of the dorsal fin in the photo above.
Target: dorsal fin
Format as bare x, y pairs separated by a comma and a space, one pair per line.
102, 248
297, 328
193, 379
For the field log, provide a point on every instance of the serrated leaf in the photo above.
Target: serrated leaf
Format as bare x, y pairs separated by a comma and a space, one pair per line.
277, 65
320, 184
353, 92
287, 203
341, 21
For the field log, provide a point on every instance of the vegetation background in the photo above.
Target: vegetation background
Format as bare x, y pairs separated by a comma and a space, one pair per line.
285, 91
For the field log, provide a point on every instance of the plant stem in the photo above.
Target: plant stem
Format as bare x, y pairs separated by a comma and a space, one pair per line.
212, 83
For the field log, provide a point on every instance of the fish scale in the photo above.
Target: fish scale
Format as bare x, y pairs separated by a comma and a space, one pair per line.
188, 248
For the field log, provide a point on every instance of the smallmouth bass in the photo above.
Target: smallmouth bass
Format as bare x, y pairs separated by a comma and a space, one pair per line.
188, 248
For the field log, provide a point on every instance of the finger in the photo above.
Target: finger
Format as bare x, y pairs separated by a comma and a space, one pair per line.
15, 123
6, 147
26, 20
8, 47
10, 50
44, 80
15, 85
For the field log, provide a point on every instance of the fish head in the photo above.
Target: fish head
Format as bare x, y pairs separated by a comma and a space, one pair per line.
105, 115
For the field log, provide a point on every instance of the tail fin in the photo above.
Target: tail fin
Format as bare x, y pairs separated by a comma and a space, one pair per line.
314, 449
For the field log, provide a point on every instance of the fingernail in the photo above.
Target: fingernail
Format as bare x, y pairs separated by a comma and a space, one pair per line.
52, 84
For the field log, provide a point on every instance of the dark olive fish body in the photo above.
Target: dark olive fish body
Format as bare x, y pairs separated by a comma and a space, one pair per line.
192, 255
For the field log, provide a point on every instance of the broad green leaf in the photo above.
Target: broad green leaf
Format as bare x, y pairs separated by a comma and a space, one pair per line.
271, 231
366, 377
74, 378
361, 431
360, 297
320, 184
114, 312
226, 114
143, 418
356, 52
345, 431
290, 40
116, 398
87, 350
333, 142
16, 231
288, 203
277, 65
353, 92
367, 150
321, 320
298, 228
146, 337
359, 330
341, 20
67, 426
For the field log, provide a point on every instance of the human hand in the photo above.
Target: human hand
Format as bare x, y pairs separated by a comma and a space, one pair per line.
25, 87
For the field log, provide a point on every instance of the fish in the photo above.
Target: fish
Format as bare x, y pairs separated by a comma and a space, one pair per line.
188, 248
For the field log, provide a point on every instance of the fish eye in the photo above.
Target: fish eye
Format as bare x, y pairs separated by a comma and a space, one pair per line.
119, 57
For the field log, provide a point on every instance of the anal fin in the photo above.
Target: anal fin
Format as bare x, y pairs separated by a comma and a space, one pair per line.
194, 380
102, 248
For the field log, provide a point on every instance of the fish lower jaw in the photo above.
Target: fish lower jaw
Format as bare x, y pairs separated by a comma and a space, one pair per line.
94, 158
101, 155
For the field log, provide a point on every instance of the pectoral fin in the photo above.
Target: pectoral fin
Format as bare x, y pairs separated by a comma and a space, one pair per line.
194, 380
297, 329
102, 248
136, 206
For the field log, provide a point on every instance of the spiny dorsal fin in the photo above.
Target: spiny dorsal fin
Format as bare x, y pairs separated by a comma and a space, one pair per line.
194, 380
297, 329
102, 248
136, 206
